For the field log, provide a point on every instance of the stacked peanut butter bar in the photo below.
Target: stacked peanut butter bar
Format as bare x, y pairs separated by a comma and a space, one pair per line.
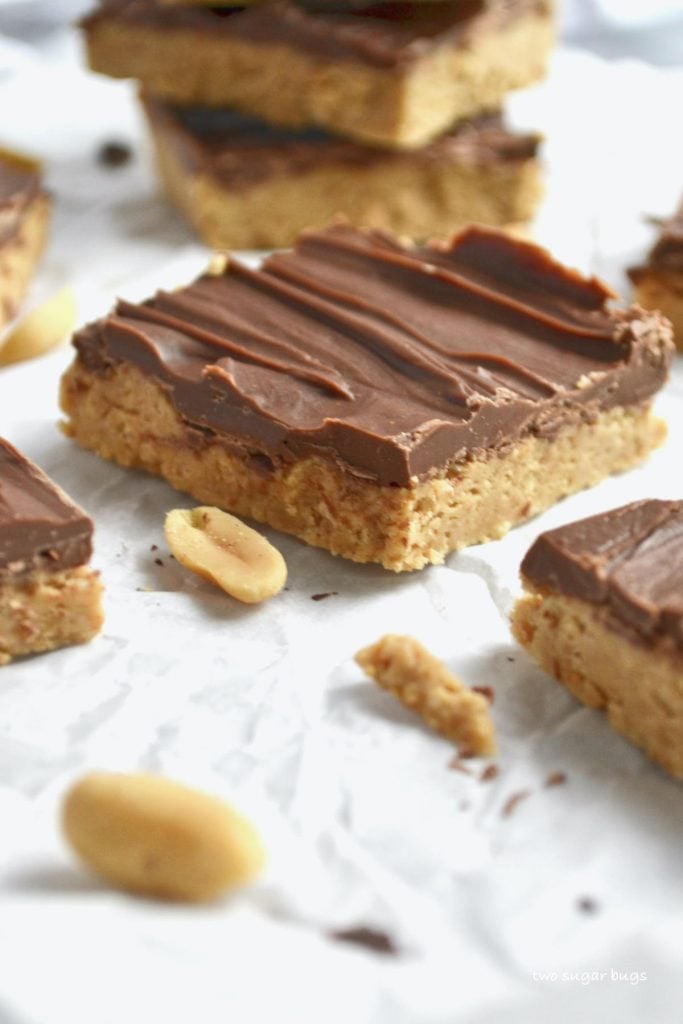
277, 116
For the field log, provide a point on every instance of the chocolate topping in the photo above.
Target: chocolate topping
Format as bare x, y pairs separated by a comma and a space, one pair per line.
629, 560
388, 35
19, 184
391, 360
240, 150
40, 528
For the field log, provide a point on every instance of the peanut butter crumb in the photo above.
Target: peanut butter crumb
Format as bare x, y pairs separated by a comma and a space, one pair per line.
403, 667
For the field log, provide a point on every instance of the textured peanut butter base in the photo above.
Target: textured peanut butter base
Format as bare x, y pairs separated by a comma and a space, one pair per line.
20, 254
640, 688
292, 87
415, 199
44, 611
662, 290
125, 416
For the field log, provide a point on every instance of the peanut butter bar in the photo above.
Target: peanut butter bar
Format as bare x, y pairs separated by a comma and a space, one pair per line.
388, 403
392, 75
24, 211
49, 596
245, 185
659, 282
603, 614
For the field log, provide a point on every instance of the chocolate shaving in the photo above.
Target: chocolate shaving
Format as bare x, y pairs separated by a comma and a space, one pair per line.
114, 154
555, 779
321, 597
157, 561
490, 772
510, 805
371, 938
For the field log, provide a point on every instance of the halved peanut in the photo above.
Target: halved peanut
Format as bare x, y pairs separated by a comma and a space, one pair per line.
220, 548
148, 835
41, 329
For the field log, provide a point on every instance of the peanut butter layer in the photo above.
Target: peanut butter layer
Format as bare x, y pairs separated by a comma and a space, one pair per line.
389, 361
629, 561
392, 74
41, 530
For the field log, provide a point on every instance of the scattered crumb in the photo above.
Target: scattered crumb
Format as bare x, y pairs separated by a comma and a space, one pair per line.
587, 905
485, 691
157, 561
555, 779
422, 683
509, 657
154, 547
510, 805
114, 154
456, 764
321, 597
370, 938
490, 772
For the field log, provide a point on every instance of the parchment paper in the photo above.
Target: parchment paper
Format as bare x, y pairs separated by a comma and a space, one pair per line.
364, 821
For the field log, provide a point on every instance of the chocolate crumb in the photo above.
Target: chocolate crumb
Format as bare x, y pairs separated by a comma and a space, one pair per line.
114, 154
154, 547
485, 691
467, 754
490, 772
321, 597
555, 779
157, 561
587, 905
456, 765
370, 938
510, 805
509, 657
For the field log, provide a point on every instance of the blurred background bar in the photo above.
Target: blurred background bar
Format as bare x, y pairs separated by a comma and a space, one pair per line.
648, 30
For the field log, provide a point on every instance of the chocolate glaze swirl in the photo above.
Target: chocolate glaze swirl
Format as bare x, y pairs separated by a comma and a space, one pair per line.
393, 361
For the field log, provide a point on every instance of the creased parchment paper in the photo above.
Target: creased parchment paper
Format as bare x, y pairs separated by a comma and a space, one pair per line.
364, 821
